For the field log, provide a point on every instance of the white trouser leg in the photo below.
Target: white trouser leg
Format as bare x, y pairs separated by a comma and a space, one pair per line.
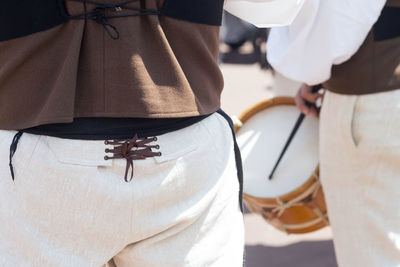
360, 173
70, 207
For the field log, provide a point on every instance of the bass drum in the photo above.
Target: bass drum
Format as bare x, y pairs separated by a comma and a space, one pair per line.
293, 200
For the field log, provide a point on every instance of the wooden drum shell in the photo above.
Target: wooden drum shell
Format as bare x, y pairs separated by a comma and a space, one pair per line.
308, 211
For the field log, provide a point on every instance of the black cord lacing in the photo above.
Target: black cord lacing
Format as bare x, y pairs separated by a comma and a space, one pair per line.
99, 15
13, 148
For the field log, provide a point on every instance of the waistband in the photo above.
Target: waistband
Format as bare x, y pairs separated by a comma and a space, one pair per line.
162, 148
24, 17
113, 128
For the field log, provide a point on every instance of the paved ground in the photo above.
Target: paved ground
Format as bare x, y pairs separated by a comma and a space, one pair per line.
245, 85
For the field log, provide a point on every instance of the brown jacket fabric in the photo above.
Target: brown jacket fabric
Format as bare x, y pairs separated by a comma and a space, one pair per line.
393, 3
374, 68
160, 67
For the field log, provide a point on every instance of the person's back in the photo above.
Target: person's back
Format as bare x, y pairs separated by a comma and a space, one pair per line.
113, 150
148, 59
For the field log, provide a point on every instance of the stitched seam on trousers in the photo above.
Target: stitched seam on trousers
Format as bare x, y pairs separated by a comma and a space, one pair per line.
354, 140
346, 123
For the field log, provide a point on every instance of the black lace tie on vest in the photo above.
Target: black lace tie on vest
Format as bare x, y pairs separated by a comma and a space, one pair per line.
103, 12
13, 148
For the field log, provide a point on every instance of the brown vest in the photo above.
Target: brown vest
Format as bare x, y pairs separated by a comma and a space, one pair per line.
160, 67
374, 68
393, 3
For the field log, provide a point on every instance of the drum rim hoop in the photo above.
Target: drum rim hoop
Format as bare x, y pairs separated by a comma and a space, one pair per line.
250, 112
290, 195
260, 106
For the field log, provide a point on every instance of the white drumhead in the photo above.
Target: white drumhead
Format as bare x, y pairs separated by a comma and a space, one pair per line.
261, 140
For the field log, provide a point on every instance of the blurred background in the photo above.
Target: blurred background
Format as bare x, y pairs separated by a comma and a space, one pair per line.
249, 79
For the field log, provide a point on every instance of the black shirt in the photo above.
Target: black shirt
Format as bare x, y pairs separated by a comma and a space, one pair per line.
113, 128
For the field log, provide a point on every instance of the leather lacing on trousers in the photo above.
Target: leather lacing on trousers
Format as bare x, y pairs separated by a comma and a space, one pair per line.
103, 12
129, 149
132, 149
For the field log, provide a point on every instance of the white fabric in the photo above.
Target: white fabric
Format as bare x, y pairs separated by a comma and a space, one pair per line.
360, 174
326, 32
69, 207
265, 13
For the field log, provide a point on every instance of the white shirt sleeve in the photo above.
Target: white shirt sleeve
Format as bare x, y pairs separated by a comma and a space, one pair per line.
265, 13
325, 32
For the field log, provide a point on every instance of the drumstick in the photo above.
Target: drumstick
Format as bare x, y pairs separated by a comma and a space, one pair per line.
296, 127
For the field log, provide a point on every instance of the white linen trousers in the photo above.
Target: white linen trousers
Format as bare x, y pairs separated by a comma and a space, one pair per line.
360, 174
70, 207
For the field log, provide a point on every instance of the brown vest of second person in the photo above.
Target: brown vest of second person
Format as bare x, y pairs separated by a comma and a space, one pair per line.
376, 65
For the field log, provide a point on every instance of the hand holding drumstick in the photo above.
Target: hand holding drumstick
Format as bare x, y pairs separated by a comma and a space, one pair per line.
307, 98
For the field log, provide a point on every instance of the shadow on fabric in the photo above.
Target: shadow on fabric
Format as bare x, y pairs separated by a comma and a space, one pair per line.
301, 254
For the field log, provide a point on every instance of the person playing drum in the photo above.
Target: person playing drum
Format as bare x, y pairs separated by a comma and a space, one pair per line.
353, 49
